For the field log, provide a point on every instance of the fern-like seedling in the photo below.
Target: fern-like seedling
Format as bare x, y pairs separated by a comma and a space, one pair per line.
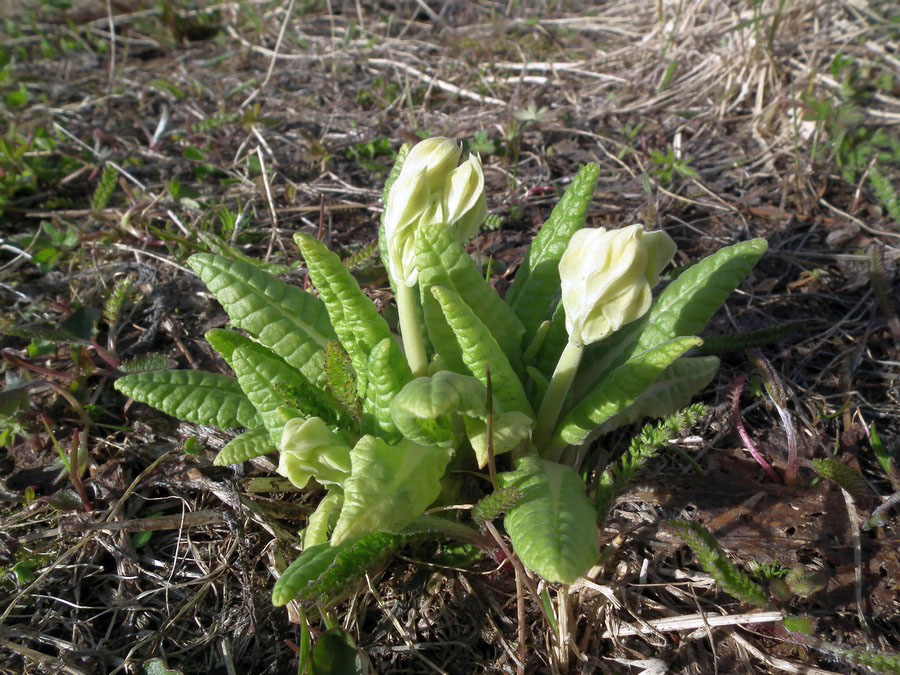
726, 344
887, 663
845, 476
310, 402
882, 289
341, 382
105, 188
881, 186
643, 448
357, 259
713, 561
118, 299
495, 505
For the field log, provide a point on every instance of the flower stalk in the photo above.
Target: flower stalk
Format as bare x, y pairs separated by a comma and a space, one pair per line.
411, 331
556, 393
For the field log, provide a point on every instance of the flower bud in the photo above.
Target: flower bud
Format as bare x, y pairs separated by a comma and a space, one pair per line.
464, 203
607, 276
409, 198
438, 156
431, 189
309, 449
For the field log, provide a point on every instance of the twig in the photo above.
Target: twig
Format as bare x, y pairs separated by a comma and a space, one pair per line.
112, 45
255, 93
692, 622
780, 664
404, 635
440, 84
268, 188
853, 518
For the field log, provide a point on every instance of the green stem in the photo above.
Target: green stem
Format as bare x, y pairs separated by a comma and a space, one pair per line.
411, 330
556, 393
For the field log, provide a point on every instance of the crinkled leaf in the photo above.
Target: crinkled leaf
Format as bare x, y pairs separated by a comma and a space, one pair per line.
683, 308
536, 286
428, 409
194, 396
442, 261
510, 429
480, 349
553, 526
286, 319
670, 392
355, 318
250, 444
309, 449
388, 373
323, 519
389, 486
619, 390
323, 571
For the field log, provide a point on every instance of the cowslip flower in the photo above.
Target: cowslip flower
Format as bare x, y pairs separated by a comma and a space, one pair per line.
607, 277
412, 196
309, 449
430, 189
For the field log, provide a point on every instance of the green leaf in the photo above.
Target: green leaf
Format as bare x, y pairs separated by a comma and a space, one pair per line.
510, 429
286, 319
250, 444
335, 652
683, 308
158, 667
323, 519
355, 318
442, 261
480, 349
671, 391
428, 409
389, 486
536, 286
619, 390
554, 342
309, 449
553, 526
388, 374
194, 396
323, 571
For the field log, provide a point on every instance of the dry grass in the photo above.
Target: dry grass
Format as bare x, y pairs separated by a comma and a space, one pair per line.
279, 96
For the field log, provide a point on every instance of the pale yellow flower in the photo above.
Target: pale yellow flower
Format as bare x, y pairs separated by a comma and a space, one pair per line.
607, 277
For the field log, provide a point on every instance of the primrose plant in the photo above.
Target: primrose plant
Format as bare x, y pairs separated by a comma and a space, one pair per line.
389, 427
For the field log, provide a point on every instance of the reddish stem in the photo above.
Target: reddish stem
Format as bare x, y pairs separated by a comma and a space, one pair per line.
742, 432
